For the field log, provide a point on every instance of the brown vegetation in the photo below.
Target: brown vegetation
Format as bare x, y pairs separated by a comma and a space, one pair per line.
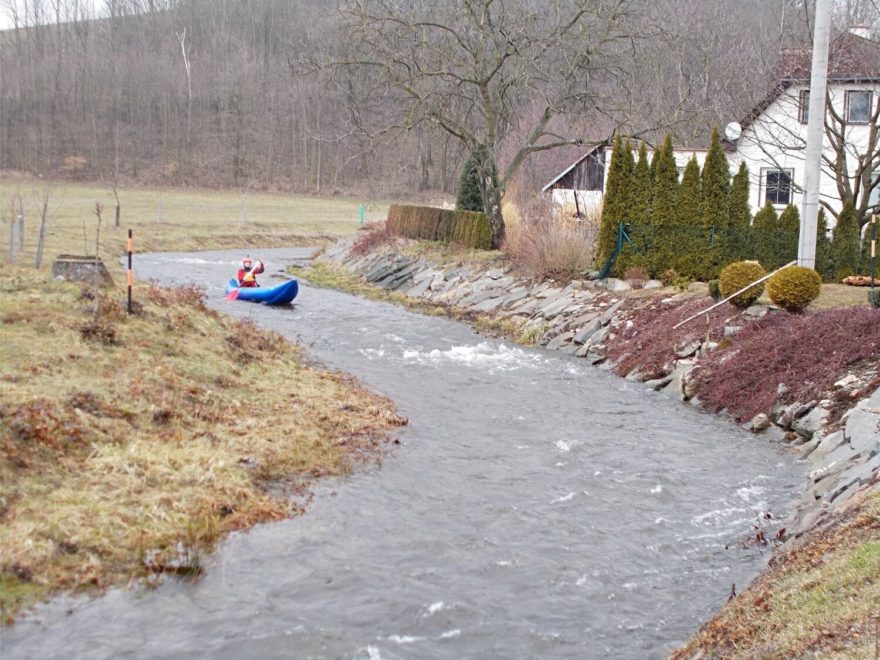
545, 247
806, 353
129, 458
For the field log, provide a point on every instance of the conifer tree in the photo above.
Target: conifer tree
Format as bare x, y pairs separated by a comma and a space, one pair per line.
738, 233
661, 255
764, 232
716, 203
845, 243
654, 158
614, 201
641, 189
469, 196
787, 239
823, 248
691, 246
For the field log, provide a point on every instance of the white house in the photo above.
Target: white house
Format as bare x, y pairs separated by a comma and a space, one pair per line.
772, 138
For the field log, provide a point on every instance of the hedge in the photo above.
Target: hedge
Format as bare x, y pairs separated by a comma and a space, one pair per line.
470, 228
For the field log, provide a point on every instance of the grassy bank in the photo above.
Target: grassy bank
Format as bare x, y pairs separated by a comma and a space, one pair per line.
819, 599
168, 219
130, 444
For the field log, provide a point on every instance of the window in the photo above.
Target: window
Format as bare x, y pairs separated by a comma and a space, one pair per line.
777, 187
858, 106
804, 106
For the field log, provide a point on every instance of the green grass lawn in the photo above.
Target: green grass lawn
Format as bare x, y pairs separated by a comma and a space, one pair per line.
170, 219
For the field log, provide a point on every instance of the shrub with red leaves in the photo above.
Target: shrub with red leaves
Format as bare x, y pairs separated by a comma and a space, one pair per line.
649, 343
807, 353
370, 237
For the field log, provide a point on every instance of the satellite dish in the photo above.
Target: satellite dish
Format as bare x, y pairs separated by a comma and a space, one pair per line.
732, 131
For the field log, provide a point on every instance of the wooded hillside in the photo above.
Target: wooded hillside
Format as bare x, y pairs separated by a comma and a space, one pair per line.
224, 92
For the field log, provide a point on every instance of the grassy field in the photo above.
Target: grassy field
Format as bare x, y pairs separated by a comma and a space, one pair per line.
168, 219
130, 444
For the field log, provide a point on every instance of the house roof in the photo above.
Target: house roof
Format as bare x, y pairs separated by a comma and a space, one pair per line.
851, 58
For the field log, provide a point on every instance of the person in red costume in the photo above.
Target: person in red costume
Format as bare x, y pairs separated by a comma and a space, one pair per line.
247, 274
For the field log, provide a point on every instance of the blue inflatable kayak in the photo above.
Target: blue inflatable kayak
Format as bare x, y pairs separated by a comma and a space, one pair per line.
282, 294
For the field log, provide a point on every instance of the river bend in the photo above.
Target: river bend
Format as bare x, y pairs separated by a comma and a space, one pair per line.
537, 507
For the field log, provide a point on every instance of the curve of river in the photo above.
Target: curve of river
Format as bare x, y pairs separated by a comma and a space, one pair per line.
537, 507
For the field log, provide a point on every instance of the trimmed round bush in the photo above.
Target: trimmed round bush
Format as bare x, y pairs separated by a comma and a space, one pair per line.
737, 275
794, 288
714, 289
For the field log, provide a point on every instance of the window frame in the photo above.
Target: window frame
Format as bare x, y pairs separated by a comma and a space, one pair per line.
765, 187
804, 106
847, 106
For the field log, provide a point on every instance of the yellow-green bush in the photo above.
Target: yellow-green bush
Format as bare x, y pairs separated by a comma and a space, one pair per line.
794, 288
737, 275
470, 228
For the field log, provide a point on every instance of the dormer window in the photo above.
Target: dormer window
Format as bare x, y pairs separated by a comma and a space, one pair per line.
804, 106
858, 106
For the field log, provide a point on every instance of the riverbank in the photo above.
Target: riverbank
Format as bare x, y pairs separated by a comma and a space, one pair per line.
131, 444
823, 403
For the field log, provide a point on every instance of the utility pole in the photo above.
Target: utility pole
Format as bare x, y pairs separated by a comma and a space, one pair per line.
815, 135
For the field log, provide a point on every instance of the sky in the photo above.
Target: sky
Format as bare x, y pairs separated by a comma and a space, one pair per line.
8, 9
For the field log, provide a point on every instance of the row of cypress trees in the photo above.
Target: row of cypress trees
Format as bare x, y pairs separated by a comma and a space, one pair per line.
776, 242
703, 222
694, 226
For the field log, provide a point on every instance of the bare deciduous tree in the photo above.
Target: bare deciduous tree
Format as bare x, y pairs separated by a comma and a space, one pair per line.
44, 214
471, 68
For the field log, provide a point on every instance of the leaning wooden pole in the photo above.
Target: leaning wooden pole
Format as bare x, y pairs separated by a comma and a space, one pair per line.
733, 295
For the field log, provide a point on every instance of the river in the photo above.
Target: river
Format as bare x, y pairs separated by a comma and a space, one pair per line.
537, 507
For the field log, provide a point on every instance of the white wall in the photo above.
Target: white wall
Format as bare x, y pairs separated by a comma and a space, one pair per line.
777, 140
590, 201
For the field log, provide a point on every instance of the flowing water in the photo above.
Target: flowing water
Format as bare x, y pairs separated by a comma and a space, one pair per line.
537, 507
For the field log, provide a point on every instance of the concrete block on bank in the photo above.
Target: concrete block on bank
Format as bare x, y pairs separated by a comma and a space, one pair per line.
78, 268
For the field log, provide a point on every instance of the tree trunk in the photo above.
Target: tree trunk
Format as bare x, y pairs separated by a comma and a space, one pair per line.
492, 207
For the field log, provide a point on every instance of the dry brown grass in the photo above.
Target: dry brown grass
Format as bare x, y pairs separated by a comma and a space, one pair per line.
544, 247
130, 458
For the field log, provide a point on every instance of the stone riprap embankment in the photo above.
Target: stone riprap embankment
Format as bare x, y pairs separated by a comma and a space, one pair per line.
584, 317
